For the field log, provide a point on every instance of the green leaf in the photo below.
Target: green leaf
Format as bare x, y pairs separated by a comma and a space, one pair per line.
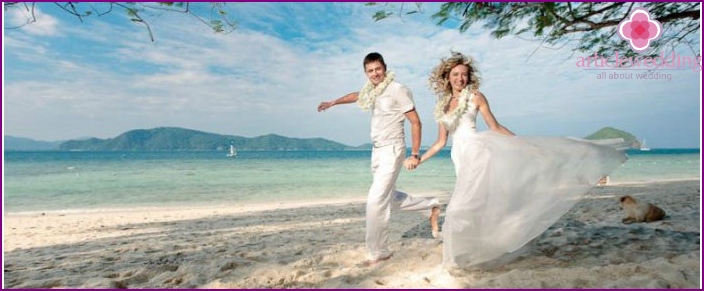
499, 33
131, 12
216, 25
379, 15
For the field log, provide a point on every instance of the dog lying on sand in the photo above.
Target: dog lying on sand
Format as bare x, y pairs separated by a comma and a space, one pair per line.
640, 212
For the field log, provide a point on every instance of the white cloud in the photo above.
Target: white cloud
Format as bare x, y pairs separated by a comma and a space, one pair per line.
32, 20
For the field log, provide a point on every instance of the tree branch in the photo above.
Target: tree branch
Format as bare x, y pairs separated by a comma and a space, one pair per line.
608, 23
134, 13
30, 10
102, 13
73, 12
694, 14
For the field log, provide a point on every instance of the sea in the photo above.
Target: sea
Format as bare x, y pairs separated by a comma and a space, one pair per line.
83, 180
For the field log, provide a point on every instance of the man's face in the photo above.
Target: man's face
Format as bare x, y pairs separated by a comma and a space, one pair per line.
375, 72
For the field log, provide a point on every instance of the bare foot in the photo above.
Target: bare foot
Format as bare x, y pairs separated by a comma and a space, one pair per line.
434, 215
368, 263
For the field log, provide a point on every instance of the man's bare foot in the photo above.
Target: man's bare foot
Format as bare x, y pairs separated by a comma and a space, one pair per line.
434, 215
368, 263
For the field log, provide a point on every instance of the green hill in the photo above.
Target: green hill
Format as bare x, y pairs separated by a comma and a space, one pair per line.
13, 143
180, 139
610, 132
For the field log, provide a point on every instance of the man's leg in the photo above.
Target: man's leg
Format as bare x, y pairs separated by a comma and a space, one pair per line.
385, 169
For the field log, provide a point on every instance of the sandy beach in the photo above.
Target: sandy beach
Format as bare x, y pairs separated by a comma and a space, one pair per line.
321, 245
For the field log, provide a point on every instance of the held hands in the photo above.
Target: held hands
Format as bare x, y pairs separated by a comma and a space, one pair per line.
411, 163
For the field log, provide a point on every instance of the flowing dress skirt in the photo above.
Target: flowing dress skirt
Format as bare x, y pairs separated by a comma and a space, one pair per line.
510, 189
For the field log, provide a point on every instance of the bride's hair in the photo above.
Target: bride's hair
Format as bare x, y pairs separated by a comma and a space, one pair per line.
439, 79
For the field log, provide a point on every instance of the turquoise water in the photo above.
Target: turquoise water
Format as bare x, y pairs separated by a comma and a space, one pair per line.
35, 181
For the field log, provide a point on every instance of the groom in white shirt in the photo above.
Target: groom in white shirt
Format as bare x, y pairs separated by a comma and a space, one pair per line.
391, 103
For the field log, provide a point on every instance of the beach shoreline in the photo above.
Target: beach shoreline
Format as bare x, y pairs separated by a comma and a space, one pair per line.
237, 207
319, 244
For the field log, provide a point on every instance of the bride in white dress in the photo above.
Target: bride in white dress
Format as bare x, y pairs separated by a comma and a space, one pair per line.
508, 189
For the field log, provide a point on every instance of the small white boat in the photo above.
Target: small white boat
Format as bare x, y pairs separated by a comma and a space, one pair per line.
644, 147
233, 152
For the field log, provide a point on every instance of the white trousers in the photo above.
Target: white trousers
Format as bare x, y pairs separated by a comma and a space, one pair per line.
387, 162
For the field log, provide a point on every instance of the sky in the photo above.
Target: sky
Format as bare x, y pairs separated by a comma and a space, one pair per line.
66, 79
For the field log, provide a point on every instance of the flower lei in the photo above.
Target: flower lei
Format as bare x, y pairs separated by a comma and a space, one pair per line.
369, 92
462, 105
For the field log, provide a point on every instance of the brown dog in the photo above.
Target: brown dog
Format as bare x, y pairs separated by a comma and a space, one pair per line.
640, 212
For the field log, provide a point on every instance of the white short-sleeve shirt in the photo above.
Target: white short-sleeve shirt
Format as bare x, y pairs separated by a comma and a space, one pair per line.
388, 114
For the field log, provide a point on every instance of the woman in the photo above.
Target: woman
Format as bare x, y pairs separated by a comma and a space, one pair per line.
508, 189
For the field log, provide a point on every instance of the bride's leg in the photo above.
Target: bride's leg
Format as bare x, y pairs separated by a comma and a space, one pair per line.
428, 207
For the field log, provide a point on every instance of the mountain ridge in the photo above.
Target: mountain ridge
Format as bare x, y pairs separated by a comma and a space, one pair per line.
183, 139
13, 143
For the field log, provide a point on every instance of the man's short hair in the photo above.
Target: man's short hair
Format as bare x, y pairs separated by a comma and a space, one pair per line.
374, 57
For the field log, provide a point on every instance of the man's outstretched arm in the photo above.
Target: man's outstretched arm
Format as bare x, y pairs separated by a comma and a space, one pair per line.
349, 98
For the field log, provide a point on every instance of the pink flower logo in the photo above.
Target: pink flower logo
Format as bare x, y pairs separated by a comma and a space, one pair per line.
639, 29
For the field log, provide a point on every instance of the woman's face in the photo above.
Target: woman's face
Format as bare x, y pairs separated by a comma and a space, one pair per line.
375, 72
459, 76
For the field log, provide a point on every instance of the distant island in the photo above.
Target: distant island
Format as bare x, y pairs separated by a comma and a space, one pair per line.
610, 132
181, 139
12, 143
176, 139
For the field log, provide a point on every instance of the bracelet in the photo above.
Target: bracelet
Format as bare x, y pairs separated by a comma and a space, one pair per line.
416, 156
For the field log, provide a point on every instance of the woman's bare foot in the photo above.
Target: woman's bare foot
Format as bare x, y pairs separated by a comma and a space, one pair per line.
434, 215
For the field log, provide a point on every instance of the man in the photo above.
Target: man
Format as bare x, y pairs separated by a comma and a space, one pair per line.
390, 103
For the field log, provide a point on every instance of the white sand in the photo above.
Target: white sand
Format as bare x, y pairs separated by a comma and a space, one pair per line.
321, 246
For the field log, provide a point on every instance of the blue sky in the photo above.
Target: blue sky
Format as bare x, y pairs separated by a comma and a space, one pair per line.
66, 79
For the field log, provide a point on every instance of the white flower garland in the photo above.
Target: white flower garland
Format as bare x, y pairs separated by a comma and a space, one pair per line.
462, 105
369, 92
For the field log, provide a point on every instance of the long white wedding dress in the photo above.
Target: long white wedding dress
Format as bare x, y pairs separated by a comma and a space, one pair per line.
510, 189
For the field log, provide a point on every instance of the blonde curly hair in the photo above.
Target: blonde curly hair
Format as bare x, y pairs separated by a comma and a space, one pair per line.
439, 80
